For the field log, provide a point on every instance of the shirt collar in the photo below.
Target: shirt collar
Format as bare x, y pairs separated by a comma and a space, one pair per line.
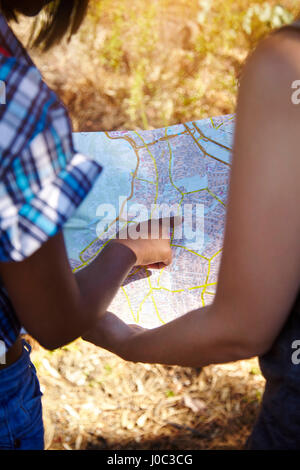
10, 42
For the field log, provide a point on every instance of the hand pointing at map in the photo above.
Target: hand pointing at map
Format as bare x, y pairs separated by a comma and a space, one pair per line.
151, 244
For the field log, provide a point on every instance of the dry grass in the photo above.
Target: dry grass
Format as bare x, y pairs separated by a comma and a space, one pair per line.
145, 65
137, 64
94, 400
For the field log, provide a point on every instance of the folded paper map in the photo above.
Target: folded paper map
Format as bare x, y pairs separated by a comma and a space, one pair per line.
177, 170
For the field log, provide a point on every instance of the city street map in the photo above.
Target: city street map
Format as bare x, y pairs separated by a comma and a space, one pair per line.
185, 167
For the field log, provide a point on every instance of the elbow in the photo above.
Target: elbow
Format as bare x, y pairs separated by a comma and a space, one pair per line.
241, 331
51, 343
52, 340
54, 336
247, 348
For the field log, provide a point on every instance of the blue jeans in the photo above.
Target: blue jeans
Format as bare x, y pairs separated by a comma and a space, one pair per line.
21, 422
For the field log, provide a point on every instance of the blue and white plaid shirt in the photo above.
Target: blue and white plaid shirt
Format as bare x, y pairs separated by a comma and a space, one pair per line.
42, 178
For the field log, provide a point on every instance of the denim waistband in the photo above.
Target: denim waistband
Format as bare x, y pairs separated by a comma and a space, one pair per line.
10, 375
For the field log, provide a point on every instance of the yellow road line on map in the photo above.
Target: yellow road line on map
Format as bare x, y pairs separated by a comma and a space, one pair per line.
146, 296
206, 280
190, 251
216, 254
216, 197
156, 310
209, 192
202, 287
159, 276
139, 268
153, 301
168, 290
196, 191
129, 304
85, 263
142, 303
221, 124
161, 139
183, 194
172, 291
207, 275
188, 192
145, 181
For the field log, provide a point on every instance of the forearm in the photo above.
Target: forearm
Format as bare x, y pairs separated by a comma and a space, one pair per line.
99, 282
199, 338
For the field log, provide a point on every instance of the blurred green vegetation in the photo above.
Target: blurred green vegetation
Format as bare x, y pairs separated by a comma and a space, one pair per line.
161, 62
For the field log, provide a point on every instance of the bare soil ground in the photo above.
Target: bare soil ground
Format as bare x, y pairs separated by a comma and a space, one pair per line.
95, 400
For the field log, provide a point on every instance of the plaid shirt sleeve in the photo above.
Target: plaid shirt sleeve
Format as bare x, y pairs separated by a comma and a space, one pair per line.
42, 178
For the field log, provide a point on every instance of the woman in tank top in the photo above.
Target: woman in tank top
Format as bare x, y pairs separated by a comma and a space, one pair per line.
256, 310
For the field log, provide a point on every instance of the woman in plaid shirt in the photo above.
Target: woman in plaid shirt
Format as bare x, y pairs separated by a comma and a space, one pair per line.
42, 181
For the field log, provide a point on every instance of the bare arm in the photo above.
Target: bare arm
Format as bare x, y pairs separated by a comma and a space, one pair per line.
54, 305
260, 269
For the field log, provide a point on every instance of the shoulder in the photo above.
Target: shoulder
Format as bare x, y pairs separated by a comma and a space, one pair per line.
277, 57
271, 72
30, 106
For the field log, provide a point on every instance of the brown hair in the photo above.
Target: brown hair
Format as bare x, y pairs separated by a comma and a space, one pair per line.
59, 18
